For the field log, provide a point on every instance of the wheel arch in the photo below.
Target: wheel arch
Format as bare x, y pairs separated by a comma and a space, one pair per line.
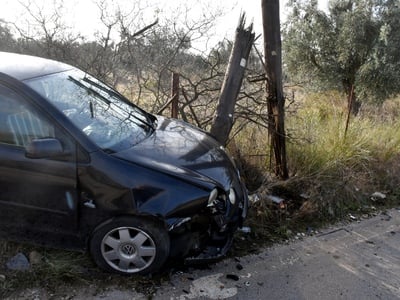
158, 220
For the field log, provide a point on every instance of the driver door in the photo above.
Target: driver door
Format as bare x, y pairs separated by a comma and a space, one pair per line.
38, 197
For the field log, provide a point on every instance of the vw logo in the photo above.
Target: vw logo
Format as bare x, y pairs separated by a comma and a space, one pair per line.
128, 249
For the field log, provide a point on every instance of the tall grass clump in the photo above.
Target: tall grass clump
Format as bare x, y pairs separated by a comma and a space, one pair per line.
339, 170
332, 172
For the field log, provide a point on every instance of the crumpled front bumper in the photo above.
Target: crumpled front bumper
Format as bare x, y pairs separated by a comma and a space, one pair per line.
211, 253
213, 241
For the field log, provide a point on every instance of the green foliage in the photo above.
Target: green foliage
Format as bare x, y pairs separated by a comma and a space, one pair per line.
7, 41
353, 45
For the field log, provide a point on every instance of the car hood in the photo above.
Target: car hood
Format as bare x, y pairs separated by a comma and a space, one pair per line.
182, 150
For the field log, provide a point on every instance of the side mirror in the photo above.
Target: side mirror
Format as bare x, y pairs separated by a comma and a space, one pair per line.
44, 148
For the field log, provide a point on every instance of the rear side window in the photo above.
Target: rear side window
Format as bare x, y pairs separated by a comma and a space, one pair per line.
19, 124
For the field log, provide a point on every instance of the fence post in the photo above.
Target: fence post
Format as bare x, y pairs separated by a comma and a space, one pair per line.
175, 95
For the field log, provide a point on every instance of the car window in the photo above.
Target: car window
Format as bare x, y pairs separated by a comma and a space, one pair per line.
98, 111
19, 123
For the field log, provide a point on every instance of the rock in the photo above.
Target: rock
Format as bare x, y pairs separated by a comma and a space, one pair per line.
18, 263
2, 277
305, 196
310, 231
378, 197
245, 229
353, 218
275, 199
35, 258
254, 198
385, 216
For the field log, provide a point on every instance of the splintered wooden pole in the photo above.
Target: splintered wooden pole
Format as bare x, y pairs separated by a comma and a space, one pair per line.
223, 119
274, 89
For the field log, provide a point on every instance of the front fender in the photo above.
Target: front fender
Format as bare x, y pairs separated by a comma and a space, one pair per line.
175, 201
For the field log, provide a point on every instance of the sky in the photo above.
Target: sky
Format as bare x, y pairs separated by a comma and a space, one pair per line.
83, 16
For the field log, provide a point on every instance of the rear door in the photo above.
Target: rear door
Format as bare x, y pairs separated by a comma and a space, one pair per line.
38, 197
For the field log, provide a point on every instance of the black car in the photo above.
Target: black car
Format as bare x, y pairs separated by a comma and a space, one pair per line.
83, 168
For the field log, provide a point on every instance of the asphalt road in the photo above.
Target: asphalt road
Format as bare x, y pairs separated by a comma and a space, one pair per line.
360, 260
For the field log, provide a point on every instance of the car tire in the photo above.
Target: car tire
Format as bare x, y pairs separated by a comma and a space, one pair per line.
130, 245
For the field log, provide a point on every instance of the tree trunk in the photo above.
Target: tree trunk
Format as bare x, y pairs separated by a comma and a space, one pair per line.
274, 89
223, 120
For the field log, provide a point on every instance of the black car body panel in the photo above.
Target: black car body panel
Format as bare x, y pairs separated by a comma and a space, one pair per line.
61, 188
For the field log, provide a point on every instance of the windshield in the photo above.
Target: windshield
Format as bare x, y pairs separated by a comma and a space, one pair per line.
102, 114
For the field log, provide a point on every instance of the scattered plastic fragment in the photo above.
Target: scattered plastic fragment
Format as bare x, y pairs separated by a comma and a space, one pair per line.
245, 229
232, 277
239, 267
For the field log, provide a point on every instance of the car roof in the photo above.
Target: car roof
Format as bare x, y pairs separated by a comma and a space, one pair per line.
24, 67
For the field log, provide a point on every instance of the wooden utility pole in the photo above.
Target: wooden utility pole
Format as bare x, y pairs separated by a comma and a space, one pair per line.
223, 120
274, 89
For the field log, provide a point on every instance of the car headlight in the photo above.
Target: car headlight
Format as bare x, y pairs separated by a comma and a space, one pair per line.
232, 196
217, 201
212, 198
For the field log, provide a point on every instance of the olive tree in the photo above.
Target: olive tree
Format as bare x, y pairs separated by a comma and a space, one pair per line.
350, 48
7, 41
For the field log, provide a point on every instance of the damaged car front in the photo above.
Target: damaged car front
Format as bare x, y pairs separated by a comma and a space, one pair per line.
181, 177
132, 188
207, 235
203, 218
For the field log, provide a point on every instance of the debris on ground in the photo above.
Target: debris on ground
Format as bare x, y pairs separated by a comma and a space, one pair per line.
18, 262
378, 197
35, 258
232, 277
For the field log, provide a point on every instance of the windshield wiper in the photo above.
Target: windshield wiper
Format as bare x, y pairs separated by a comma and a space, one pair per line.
90, 90
102, 87
114, 94
151, 125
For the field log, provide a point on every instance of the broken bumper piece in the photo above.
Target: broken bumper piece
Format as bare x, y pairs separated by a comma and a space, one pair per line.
211, 254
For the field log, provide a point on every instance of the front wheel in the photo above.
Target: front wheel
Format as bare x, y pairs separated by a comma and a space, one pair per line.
130, 246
